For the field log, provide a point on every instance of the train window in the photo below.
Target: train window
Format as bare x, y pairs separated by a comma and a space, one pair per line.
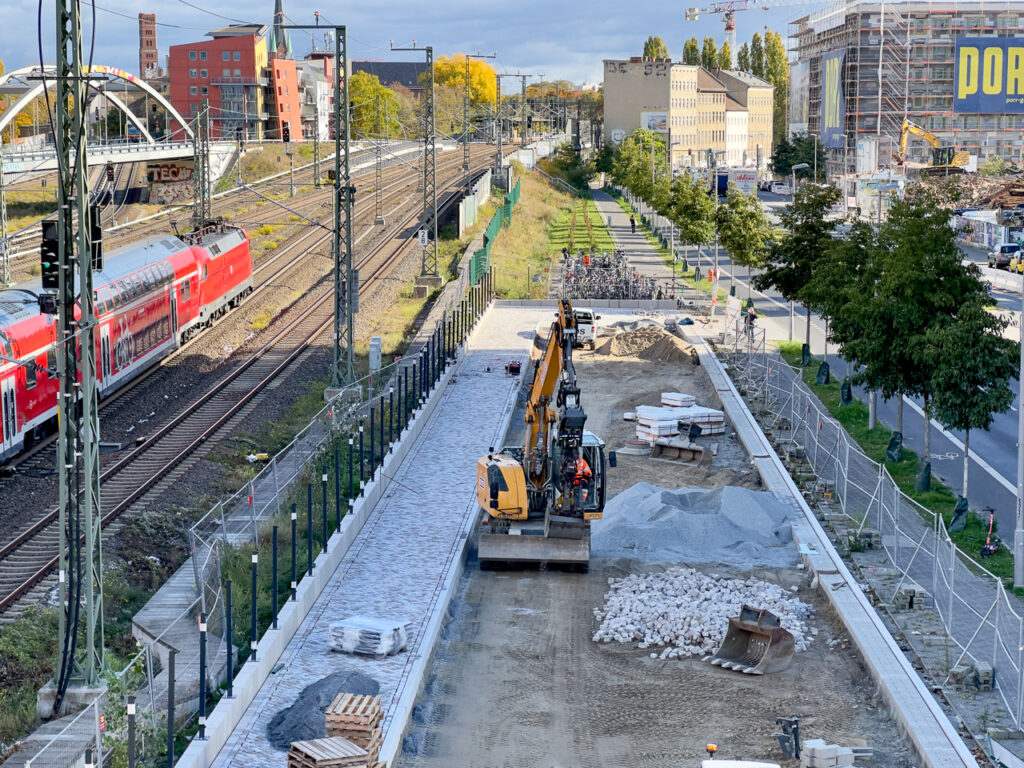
125, 292
137, 285
51, 363
30, 375
150, 279
205, 273
186, 291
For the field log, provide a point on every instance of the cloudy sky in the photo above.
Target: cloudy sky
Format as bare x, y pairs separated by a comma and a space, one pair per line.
567, 40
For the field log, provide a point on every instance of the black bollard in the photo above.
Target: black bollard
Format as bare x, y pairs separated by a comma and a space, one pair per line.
295, 537
253, 637
228, 635
273, 589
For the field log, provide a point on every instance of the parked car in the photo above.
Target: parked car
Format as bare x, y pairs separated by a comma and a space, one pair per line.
1005, 256
586, 327
779, 188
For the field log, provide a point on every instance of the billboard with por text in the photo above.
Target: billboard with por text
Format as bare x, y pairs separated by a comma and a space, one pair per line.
989, 76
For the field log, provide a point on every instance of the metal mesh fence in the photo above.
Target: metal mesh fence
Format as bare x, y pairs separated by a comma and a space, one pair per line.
980, 616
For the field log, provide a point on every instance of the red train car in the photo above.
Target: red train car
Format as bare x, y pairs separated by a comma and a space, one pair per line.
151, 296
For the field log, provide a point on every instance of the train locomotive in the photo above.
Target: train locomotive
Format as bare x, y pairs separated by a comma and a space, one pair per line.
151, 296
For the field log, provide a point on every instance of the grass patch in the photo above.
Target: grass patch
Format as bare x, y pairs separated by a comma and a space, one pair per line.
28, 647
261, 320
26, 207
524, 253
940, 499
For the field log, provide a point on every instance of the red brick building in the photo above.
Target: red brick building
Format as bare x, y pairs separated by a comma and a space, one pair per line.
244, 85
149, 57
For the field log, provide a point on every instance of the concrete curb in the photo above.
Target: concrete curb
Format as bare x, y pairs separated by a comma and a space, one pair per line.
918, 714
228, 712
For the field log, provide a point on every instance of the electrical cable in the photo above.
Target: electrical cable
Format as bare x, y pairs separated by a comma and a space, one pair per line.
135, 18
214, 13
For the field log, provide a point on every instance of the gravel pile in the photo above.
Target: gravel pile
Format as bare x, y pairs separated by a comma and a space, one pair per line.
304, 720
686, 613
732, 525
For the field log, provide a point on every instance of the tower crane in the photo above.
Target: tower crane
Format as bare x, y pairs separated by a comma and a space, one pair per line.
728, 9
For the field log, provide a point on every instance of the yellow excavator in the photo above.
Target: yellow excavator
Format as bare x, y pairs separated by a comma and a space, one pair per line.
944, 159
538, 499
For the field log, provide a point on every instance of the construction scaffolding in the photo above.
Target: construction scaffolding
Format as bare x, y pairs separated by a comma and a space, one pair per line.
900, 65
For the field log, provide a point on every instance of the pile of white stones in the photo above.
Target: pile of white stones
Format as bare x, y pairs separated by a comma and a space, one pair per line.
687, 613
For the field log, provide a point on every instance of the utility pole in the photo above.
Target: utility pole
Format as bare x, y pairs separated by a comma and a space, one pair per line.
5, 248
465, 111
78, 436
201, 211
316, 139
378, 168
498, 149
428, 265
346, 279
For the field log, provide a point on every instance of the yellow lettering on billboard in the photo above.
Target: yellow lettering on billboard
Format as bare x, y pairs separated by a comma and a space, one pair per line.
968, 72
1015, 71
992, 79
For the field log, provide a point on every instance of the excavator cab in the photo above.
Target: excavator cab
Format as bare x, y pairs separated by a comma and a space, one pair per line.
580, 488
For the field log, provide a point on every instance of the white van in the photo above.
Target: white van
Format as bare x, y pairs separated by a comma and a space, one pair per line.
781, 188
586, 327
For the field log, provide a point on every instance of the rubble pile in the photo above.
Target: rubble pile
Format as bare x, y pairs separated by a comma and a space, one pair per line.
686, 613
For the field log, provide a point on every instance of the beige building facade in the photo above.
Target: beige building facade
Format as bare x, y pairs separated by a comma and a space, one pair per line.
687, 104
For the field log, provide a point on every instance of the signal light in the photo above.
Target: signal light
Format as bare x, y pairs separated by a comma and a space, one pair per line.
48, 258
286, 132
110, 172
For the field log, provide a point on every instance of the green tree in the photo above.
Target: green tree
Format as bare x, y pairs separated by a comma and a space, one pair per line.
566, 164
365, 95
792, 258
744, 230
757, 64
604, 159
776, 72
974, 368
743, 58
692, 210
709, 54
655, 48
799, 149
725, 56
921, 287
993, 166
691, 52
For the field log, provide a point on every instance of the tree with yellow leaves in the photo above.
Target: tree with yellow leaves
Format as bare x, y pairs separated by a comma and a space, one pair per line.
483, 82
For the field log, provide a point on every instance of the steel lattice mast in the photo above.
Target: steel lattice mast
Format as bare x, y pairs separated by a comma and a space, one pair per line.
78, 437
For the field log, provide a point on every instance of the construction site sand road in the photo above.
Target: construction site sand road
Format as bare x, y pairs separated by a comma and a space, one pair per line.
518, 679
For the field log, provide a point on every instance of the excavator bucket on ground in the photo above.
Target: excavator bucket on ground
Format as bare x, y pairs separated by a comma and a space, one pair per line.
755, 644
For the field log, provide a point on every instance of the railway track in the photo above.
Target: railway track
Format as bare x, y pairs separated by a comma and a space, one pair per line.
266, 273
24, 242
26, 559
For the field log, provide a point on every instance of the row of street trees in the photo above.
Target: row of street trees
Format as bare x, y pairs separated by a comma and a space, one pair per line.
904, 311
740, 225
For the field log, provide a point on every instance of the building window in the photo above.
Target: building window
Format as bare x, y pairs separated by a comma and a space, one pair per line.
192, 90
191, 55
192, 73
236, 56
202, 55
202, 73
279, 90
203, 91
238, 73
226, 72
225, 56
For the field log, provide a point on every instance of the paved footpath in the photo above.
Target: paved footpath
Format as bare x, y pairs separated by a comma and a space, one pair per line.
408, 546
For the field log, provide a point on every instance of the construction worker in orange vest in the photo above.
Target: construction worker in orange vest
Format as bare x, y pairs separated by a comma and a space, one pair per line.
583, 477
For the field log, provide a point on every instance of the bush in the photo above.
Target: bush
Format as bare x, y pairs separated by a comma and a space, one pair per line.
565, 164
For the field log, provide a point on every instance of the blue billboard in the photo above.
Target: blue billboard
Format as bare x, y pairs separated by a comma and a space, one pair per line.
989, 75
833, 102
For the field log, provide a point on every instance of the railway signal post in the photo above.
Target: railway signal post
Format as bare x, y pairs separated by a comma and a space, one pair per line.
346, 283
80, 561
428, 268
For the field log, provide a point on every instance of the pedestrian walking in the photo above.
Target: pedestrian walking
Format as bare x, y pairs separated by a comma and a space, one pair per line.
632, 223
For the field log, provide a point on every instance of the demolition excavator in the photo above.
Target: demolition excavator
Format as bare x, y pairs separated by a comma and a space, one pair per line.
538, 499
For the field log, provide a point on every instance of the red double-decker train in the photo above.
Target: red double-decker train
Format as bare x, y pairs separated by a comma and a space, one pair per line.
151, 296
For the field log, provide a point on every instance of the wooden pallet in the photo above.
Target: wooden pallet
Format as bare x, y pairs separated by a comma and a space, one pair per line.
355, 710
332, 752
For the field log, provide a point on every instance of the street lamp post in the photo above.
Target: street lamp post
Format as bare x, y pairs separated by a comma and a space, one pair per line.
1018, 532
792, 307
815, 157
794, 169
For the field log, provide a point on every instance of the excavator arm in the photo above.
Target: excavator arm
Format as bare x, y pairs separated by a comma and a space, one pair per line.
913, 128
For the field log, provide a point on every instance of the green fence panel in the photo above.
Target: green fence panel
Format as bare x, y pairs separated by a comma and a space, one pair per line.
479, 265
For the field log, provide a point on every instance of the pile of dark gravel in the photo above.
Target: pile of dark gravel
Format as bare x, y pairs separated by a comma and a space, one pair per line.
304, 720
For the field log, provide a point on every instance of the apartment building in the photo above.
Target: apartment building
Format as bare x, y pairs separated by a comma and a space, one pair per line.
692, 107
249, 91
899, 61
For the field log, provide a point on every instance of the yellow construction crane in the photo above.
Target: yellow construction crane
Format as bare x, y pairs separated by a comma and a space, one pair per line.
943, 158
539, 498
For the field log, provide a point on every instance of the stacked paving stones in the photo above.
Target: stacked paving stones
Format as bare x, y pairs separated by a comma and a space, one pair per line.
358, 719
815, 753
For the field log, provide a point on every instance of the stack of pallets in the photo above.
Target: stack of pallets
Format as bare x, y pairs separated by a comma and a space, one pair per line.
368, 636
358, 719
327, 753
